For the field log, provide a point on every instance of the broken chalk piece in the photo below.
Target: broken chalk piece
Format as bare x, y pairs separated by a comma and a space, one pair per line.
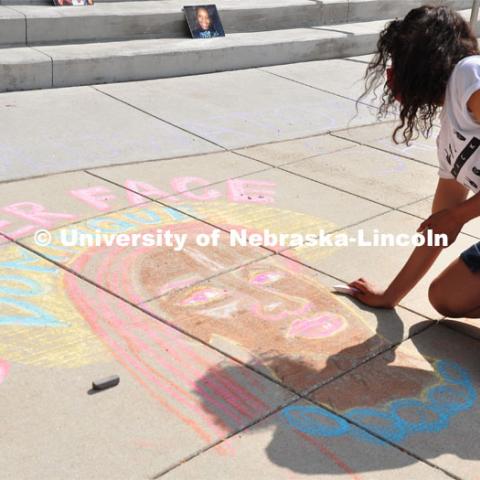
105, 383
344, 289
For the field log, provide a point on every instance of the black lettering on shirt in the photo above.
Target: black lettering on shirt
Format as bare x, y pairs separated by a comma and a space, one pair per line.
449, 153
460, 136
473, 184
465, 154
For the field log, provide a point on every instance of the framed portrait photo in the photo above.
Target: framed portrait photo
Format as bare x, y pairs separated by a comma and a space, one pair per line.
203, 21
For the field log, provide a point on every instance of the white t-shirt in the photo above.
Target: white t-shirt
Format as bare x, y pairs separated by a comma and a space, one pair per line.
459, 139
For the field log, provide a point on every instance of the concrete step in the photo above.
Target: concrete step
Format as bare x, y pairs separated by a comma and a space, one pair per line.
94, 63
44, 24
35, 64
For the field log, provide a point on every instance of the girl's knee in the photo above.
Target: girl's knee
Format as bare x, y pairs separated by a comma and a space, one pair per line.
441, 300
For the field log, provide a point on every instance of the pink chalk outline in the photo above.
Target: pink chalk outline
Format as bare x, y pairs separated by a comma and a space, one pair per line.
4, 368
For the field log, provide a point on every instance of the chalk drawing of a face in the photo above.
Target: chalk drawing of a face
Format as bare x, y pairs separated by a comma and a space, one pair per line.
54, 319
37, 310
260, 290
270, 311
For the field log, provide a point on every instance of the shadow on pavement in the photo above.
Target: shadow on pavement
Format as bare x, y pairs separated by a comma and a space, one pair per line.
420, 394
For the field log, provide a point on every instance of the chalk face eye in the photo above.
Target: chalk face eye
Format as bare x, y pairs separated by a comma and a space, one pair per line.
266, 278
203, 296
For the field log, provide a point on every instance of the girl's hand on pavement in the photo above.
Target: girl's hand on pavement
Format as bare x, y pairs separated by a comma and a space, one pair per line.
371, 295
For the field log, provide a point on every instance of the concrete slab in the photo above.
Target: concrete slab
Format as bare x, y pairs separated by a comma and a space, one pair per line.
369, 173
160, 179
58, 334
101, 131
423, 209
23, 69
12, 27
278, 316
143, 265
281, 153
381, 264
214, 107
422, 396
276, 448
53, 201
277, 201
379, 136
324, 76
466, 326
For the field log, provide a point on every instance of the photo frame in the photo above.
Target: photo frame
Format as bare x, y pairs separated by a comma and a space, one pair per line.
204, 21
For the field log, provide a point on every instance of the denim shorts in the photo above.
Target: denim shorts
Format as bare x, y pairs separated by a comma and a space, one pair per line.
471, 257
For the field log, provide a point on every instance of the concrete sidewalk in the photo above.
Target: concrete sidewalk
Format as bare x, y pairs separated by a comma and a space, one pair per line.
235, 362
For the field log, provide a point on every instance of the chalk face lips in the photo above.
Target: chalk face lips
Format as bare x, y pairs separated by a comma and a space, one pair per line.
322, 325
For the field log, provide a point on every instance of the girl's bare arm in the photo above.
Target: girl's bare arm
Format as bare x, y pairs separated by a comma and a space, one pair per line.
449, 194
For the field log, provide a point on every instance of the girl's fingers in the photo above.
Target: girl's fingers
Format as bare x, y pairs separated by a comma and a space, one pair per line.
424, 225
361, 287
421, 228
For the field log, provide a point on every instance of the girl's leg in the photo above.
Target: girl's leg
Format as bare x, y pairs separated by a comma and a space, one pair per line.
456, 291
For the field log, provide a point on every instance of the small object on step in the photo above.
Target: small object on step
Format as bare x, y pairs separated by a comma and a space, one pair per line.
105, 383
345, 289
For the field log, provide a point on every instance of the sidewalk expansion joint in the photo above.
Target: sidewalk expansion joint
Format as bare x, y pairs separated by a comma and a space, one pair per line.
317, 88
383, 150
113, 97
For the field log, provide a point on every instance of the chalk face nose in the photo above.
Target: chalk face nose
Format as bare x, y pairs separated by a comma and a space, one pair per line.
279, 308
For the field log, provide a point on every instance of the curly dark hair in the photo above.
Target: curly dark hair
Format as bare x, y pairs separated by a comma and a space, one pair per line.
422, 50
